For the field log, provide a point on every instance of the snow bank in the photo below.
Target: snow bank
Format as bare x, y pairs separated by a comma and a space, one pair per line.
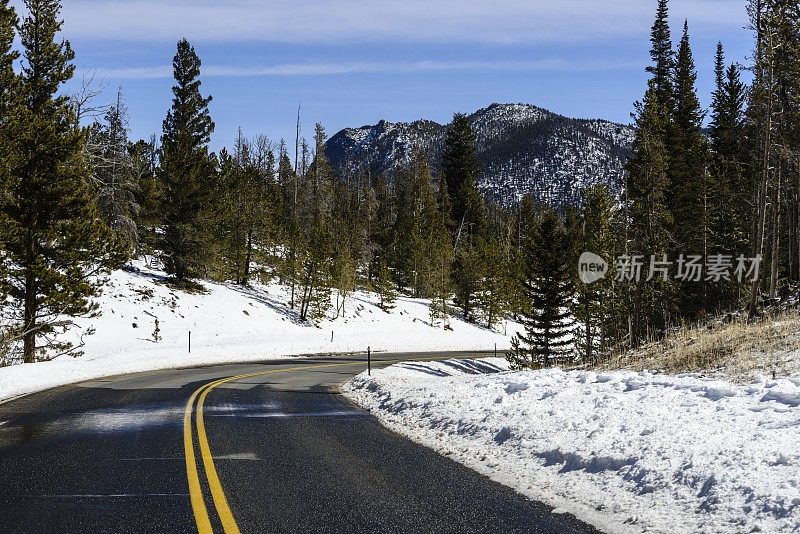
627, 452
230, 324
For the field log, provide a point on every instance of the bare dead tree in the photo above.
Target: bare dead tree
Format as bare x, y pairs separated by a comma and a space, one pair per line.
84, 99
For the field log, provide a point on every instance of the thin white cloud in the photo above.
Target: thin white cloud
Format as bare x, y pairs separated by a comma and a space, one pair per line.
326, 69
356, 21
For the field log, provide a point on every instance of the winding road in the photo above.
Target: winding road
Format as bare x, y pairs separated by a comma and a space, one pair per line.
266, 447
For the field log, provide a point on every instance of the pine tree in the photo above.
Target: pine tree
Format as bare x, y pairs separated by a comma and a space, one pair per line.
444, 203
592, 306
460, 170
717, 96
432, 228
227, 226
663, 57
497, 276
186, 170
523, 223
732, 206
384, 285
9, 98
8, 78
316, 222
467, 277
788, 65
408, 231
688, 174
148, 192
440, 274
441, 258
344, 276
777, 78
54, 240
548, 287
292, 235
493, 297
417, 221
649, 303
9, 93
246, 199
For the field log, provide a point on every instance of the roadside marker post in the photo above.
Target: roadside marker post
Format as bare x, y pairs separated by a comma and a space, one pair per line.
369, 361
190, 341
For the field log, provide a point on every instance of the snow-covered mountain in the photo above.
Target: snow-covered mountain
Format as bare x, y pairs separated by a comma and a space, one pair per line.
522, 149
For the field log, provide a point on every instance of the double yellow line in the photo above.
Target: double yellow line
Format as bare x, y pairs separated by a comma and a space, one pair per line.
195, 406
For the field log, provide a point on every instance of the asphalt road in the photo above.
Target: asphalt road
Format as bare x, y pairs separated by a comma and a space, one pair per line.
275, 449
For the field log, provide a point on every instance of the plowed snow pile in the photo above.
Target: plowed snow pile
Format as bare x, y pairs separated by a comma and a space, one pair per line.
627, 452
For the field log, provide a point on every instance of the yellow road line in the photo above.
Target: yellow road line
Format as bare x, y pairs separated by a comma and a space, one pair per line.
218, 495
215, 487
195, 491
220, 502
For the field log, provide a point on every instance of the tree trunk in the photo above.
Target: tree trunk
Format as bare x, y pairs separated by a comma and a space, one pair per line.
29, 330
776, 236
766, 156
294, 275
248, 257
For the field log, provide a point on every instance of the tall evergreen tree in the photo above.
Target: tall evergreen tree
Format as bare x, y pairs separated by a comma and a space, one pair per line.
417, 222
344, 276
8, 78
148, 192
592, 306
246, 200
688, 174
663, 58
732, 199
467, 277
548, 335
384, 285
493, 295
186, 169
317, 200
441, 258
460, 170
648, 304
293, 237
9, 97
54, 240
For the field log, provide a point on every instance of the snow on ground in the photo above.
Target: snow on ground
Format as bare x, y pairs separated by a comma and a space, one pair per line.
231, 324
625, 451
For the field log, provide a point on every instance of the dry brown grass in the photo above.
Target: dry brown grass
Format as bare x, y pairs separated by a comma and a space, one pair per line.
737, 349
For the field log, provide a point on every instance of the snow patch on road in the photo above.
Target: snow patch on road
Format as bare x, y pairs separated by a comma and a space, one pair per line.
627, 452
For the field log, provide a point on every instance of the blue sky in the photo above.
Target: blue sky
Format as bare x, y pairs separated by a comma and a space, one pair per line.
353, 62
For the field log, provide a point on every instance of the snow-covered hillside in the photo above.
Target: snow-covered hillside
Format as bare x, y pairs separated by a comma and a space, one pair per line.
522, 149
627, 452
230, 324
